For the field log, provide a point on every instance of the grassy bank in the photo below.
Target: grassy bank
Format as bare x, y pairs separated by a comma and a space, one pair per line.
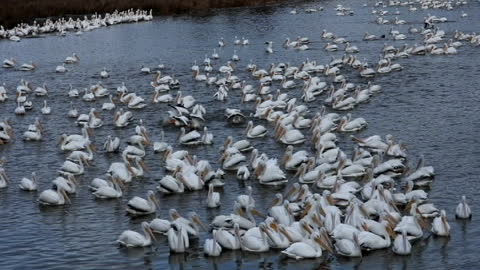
16, 11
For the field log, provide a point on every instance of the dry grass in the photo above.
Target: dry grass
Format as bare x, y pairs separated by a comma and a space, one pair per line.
16, 11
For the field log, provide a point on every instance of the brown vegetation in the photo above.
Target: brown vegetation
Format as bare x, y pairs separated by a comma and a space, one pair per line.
15, 11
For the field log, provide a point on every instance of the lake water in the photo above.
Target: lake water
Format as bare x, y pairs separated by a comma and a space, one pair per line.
432, 106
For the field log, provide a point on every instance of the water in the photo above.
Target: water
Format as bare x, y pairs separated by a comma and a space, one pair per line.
432, 106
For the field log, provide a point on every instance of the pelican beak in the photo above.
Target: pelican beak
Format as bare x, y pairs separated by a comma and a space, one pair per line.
4, 174
258, 213
324, 244
65, 195
307, 228
89, 131
284, 232
199, 222
151, 233
306, 210
317, 220
10, 132
73, 179
156, 201
330, 200
144, 166
390, 231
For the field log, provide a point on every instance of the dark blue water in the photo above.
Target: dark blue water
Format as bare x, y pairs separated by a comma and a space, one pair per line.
432, 106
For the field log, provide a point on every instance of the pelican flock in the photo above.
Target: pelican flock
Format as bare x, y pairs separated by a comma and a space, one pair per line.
330, 198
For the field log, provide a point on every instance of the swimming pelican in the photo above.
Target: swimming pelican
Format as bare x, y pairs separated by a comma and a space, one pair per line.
213, 199
53, 197
243, 173
440, 225
108, 106
131, 238
28, 67
41, 90
178, 238
348, 248
211, 247
269, 48
61, 69
72, 59
29, 184
46, 109
9, 63
306, 249
109, 191
463, 210
228, 239
139, 206
104, 74
252, 243
255, 132
401, 245
4, 180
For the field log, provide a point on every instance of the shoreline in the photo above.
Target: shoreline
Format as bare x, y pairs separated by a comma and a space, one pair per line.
27, 11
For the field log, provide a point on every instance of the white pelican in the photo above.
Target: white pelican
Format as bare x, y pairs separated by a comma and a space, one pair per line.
20, 109
4, 180
46, 109
69, 184
108, 106
228, 239
160, 146
29, 184
401, 245
72, 59
221, 42
463, 210
130, 238
9, 63
61, 69
169, 184
440, 225
192, 137
178, 238
53, 197
243, 173
160, 225
348, 248
252, 243
211, 247
246, 200
269, 48
122, 119
139, 206
33, 135
28, 67
72, 167
72, 92
104, 74
255, 132
109, 191
41, 90
111, 144
349, 125
268, 173
207, 137
213, 198
289, 136
145, 70
306, 249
